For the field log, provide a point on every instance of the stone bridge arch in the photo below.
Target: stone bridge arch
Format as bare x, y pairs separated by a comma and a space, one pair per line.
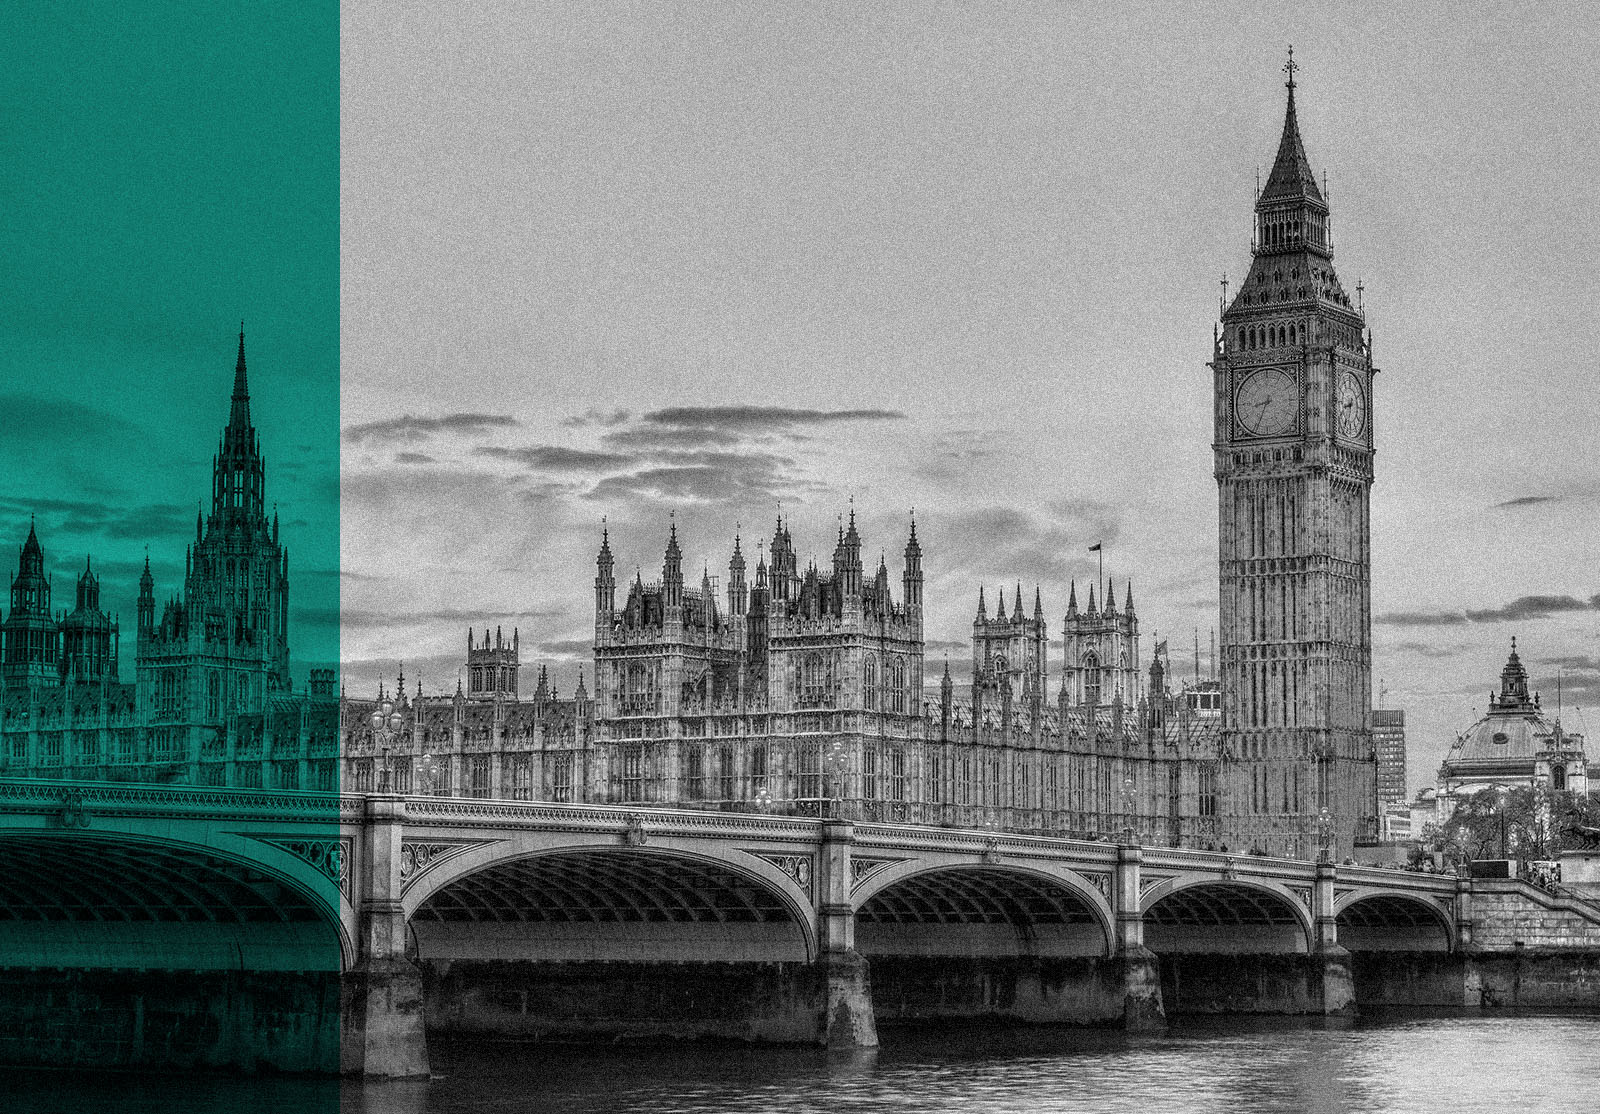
115, 894
967, 905
684, 898
1197, 912
1373, 918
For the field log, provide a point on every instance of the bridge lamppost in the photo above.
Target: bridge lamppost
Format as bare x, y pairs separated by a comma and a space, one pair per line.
836, 760
1128, 801
386, 720
427, 774
1324, 835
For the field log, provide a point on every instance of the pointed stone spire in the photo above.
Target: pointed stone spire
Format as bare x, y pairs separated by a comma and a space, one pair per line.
1291, 175
1038, 603
1072, 600
239, 412
1000, 606
1016, 608
1093, 611
1111, 598
1127, 598
982, 611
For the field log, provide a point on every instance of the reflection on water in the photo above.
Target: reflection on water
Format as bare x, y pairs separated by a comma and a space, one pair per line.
1533, 1065
1423, 1065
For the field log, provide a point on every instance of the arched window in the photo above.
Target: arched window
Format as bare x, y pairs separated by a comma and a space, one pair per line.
1558, 778
869, 683
1091, 679
812, 681
1291, 335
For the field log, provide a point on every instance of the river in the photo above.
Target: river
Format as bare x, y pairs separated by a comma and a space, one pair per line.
1404, 1065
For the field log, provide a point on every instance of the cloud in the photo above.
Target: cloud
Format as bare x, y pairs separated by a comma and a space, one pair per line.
369, 619
1423, 649
410, 426
758, 419
1047, 546
37, 418
592, 417
669, 437
157, 523
1522, 609
555, 458
752, 478
1526, 501
413, 458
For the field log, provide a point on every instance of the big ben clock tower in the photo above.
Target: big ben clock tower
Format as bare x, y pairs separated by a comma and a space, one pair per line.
1294, 449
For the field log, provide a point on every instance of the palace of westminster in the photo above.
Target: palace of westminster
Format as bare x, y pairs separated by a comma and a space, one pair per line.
804, 690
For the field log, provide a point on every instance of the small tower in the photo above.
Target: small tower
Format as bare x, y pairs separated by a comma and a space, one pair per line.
147, 600
30, 638
672, 578
492, 666
738, 593
605, 588
1100, 652
89, 639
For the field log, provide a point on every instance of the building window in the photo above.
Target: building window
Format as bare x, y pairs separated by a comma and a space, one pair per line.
869, 683
521, 777
897, 775
1091, 680
697, 774
479, 775
1558, 778
1208, 791
810, 773
758, 766
726, 774
561, 777
286, 775
633, 774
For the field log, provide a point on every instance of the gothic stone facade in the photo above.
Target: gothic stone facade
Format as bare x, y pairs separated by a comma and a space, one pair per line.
211, 701
1293, 377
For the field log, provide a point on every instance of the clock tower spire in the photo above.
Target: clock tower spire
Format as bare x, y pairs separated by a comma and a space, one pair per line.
1293, 444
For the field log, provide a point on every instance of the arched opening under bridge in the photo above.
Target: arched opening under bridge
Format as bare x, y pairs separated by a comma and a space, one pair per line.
609, 905
1233, 947
987, 942
123, 952
1393, 923
618, 943
971, 911
1220, 918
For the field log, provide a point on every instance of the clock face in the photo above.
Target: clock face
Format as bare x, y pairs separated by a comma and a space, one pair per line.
1268, 402
1350, 407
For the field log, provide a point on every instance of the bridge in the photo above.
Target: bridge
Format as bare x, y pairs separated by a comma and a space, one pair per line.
319, 929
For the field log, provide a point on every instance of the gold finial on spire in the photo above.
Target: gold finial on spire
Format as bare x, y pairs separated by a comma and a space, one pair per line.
1290, 67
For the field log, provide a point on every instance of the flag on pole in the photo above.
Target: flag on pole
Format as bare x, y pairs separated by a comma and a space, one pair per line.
1095, 548
1161, 647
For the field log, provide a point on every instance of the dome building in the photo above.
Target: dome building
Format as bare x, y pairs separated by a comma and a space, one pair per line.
1515, 745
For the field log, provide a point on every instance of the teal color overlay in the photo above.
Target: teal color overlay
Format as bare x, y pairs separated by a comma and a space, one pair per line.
169, 534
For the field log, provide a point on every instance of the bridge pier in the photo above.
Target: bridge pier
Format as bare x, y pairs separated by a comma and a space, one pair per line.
849, 1021
1141, 969
1338, 984
382, 1035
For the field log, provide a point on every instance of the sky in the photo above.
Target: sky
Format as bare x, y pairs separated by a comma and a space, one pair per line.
704, 260
167, 169
629, 261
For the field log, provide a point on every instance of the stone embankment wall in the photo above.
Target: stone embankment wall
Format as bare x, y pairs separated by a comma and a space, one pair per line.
1510, 914
241, 1021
